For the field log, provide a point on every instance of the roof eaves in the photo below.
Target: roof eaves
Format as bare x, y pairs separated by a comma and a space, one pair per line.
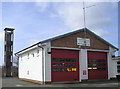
102, 39
28, 48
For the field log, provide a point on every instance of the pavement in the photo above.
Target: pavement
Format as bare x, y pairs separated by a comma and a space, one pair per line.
15, 82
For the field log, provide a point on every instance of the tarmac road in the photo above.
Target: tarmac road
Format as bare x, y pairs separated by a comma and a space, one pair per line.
15, 82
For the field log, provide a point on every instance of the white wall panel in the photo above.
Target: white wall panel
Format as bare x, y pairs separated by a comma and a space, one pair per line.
83, 64
31, 64
112, 65
47, 62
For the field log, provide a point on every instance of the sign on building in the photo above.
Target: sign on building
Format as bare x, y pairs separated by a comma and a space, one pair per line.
83, 41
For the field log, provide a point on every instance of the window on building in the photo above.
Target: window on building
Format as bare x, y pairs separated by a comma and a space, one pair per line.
55, 59
33, 54
55, 69
94, 64
21, 57
28, 55
5, 47
38, 53
118, 66
118, 62
62, 70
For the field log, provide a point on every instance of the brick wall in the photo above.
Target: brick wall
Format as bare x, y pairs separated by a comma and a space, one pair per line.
71, 41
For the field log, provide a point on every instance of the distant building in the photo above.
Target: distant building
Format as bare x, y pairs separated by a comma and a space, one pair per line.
72, 57
117, 59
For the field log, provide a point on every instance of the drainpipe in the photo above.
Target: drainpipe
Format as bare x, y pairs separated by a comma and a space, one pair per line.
42, 63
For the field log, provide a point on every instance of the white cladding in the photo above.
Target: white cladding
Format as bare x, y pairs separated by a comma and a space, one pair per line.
34, 65
83, 64
47, 62
30, 65
112, 64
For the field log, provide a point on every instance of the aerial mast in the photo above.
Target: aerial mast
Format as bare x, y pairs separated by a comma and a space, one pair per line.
84, 13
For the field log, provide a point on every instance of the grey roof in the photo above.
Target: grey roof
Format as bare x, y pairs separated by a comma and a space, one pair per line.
70, 33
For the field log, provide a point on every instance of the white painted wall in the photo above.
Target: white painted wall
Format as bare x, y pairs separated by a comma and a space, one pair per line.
112, 64
31, 64
37, 71
116, 66
83, 64
47, 65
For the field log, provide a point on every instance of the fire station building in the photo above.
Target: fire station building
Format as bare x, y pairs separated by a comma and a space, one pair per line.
72, 57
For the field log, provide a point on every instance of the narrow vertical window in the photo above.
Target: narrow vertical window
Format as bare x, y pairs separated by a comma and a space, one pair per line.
21, 57
33, 54
28, 55
118, 66
37, 53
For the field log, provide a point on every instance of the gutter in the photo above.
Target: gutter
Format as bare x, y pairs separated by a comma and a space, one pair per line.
26, 50
42, 63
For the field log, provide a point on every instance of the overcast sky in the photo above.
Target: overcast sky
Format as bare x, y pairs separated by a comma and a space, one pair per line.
37, 21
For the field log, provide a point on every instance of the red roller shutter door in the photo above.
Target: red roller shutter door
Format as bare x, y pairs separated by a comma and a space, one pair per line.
97, 65
65, 65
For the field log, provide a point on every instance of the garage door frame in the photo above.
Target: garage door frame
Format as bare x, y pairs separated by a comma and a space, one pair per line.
106, 55
77, 50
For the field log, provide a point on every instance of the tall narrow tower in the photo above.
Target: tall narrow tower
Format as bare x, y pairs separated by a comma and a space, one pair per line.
8, 51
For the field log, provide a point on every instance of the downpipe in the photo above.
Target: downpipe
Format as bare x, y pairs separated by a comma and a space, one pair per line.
42, 64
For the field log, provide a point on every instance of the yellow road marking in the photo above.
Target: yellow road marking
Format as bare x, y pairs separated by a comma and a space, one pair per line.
19, 85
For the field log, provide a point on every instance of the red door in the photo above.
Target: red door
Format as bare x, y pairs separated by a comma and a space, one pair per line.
97, 65
65, 65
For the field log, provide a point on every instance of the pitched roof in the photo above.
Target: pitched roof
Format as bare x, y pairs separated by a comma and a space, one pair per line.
70, 33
